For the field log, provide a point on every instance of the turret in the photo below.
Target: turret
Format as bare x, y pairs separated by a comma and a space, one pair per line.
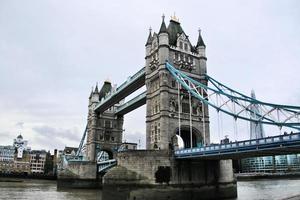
149, 42
163, 42
200, 45
201, 51
163, 33
94, 96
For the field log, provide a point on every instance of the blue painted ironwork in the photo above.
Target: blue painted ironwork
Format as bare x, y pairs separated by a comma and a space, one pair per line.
103, 166
131, 79
79, 151
133, 101
246, 146
237, 104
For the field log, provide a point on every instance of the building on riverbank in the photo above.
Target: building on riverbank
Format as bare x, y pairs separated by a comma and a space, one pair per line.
266, 164
271, 164
19, 159
6, 158
37, 161
7, 153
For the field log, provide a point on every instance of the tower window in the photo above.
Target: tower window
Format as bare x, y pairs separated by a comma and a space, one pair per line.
180, 45
185, 108
194, 110
107, 124
185, 46
173, 83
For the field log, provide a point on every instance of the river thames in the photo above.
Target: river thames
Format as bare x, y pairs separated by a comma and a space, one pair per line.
40, 189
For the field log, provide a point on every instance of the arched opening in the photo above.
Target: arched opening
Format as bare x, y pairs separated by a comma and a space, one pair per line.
197, 139
104, 155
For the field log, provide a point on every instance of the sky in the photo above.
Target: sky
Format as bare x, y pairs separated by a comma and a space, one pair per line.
53, 52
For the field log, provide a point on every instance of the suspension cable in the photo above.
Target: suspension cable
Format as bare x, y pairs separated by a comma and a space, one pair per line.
221, 120
179, 109
203, 119
278, 118
191, 128
218, 113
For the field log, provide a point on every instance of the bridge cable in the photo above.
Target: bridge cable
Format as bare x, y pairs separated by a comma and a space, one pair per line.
248, 125
179, 109
203, 118
191, 128
218, 113
234, 121
278, 118
221, 120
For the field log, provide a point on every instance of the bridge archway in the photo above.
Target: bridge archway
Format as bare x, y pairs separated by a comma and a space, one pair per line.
197, 138
104, 154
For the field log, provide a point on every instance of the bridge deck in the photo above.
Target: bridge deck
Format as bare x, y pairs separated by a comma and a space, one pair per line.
277, 145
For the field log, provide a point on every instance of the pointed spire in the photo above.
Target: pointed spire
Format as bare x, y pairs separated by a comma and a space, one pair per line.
253, 94
149, 40
200, 41
96, 89
91, 93
163, 28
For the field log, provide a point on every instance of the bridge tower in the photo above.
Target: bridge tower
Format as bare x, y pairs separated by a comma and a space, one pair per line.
166, 114
104, 130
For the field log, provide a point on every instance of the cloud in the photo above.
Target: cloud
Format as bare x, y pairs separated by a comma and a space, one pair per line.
50, 132
47, 137
19, 125
136, 137
49, 63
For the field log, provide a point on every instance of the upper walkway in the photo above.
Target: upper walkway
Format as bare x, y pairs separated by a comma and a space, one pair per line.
132, 84
132, 104
276, 145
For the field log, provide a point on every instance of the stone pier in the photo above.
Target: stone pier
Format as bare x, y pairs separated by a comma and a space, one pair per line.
79, 175
159, 172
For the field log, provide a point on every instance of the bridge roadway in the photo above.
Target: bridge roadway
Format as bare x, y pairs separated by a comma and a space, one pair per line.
275, 145
132, 84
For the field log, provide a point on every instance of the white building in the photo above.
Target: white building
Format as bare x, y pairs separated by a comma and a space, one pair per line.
21, 145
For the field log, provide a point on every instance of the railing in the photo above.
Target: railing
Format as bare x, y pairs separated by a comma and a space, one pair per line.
137, 75
104, 165
131, 78
267, 142
131, 102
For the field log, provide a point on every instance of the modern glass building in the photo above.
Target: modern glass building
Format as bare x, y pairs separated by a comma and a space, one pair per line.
271, 164
267, 164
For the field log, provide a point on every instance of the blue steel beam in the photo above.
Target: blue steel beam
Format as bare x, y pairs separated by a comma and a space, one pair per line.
103, 166
131, 105
132, 84
276, 145
236, 104
81, 142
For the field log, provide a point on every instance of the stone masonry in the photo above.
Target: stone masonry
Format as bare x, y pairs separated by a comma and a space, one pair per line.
172, 44
104, 132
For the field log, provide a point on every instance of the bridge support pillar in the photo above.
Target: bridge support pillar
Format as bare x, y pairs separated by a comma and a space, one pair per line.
79, 175
158, 171
226, 186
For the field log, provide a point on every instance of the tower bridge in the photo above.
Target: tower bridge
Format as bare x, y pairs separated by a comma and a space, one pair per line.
177, 97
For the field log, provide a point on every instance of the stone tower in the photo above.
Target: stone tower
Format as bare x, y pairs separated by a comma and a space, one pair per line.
164, 108
104, 130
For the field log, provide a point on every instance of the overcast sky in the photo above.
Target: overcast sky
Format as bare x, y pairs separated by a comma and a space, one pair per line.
52, 52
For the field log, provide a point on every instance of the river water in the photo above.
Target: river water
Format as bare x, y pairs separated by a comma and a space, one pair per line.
40, 189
